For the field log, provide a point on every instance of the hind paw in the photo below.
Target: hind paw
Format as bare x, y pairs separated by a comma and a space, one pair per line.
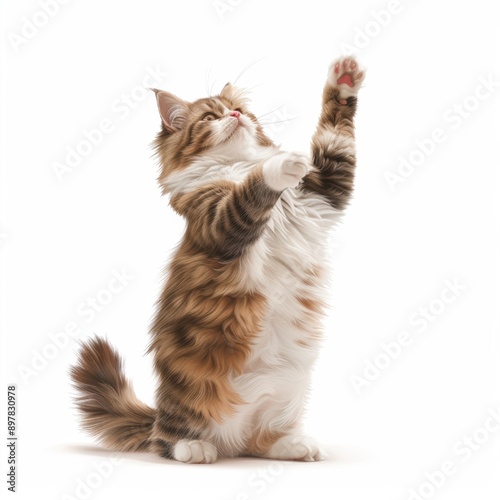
195, 452
299, 448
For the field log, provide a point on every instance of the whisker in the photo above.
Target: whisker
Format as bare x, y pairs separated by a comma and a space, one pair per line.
211, 88
246, 68
207, 81
280, 121
249, 89
265, 114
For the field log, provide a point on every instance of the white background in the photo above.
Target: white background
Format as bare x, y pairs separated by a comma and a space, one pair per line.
62, 238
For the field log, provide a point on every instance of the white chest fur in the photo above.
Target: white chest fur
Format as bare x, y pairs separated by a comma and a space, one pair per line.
291, 271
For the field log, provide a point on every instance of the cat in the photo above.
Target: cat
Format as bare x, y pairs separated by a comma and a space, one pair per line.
237, 327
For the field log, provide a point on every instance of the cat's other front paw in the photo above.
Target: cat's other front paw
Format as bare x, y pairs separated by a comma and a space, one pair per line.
346, 74
300, 448
286, 170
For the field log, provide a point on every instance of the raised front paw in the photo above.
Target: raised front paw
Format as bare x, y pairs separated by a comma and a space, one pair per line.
286, 170
346, 75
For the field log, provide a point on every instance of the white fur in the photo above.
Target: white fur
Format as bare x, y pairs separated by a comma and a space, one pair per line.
214, 167
285, 170
293, 447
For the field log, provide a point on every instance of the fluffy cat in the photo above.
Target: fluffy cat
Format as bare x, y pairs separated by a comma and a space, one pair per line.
238, 324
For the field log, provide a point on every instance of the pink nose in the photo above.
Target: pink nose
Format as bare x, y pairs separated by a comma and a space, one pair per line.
236, 114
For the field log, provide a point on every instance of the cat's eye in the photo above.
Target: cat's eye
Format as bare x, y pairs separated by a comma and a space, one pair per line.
208, 117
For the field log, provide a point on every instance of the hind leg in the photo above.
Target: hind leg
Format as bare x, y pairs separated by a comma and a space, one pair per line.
282, 444
277, 435
296, 447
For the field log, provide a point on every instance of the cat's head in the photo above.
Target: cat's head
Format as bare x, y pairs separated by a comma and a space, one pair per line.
216, 128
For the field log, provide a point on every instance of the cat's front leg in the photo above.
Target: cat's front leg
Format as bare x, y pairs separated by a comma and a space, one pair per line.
333, 146
225, 218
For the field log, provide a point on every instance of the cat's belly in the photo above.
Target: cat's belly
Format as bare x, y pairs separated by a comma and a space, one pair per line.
287, 266
294, 255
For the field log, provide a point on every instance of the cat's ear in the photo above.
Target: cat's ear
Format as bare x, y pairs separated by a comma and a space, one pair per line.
228, 90
235, 94
173, 110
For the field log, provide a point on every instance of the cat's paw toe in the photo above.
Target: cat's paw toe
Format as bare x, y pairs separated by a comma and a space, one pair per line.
195, 452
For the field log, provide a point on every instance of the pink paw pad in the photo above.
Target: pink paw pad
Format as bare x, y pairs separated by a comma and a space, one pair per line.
345, 78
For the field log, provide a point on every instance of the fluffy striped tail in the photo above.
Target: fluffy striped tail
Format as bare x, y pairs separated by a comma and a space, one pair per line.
110, 410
